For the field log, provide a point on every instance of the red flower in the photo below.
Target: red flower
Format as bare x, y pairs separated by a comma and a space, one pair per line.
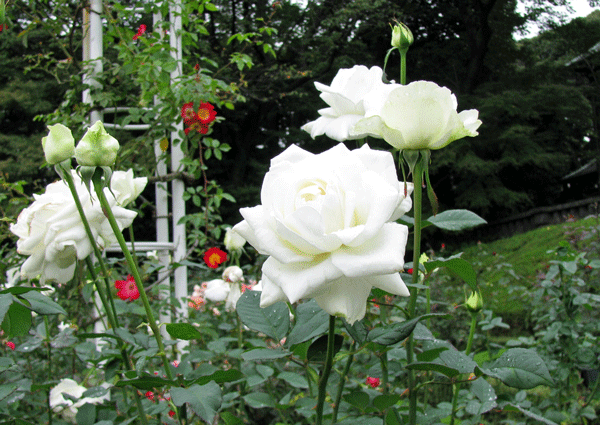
128, 290
409, 271
206, 113
10, 345
197, 67
198, 120
171, 413
141, 30
150, 396
373, 382
5, 26
187, 113
214, 256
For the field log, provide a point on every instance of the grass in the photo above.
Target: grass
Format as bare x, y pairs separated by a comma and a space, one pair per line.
508, 267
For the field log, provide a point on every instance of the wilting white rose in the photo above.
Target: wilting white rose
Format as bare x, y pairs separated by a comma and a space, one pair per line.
327, 222
420, 115
233, 274
51, 232
345, 99
65, 406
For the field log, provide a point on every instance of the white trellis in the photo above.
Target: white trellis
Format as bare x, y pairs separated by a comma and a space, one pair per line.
164, 245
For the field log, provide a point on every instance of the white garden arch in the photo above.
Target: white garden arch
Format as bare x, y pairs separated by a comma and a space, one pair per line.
165, 245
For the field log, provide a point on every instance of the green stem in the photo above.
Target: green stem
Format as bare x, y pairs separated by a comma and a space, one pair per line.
49, 354
338, 397
403, 68
326, 370
110, 311
456, 387
98, 186
412, 303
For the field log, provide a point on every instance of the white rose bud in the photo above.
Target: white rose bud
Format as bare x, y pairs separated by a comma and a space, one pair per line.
97, 147
233, 241
58, 145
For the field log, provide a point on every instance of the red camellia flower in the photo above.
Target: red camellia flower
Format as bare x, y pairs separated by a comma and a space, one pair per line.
373, 382
128, 290
198, 120
214, 257
10, 345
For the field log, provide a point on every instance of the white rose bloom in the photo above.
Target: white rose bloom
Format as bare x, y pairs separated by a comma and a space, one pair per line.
51, 232
126, 187
345, 99
326, 221
421, 115
65, 406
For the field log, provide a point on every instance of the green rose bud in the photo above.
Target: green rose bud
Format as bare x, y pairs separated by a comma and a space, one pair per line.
58, 145
402, 37
97, 147
475, 302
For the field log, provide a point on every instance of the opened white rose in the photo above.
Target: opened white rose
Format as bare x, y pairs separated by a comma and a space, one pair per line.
218, 290
345, 98
420, 115
51, 232
65, 406
327, 223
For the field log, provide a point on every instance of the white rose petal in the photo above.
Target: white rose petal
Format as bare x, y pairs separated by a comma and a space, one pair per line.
326, 221
345, 98
216, 290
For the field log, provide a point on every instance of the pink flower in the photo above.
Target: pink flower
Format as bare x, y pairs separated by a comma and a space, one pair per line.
128, 290
150, 396
373, 382
10, 345
141, 31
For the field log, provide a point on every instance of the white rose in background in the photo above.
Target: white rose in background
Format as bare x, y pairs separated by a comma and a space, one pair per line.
326, 221
345, 99
420, 115
51, 232
65, 406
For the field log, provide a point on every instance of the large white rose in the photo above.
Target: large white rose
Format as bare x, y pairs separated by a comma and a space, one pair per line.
421, 115
345, 98
51, 232
327, 222
65, 406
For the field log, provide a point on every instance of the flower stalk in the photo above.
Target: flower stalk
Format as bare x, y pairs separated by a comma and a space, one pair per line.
417, 172
326, 370
109, 307
338, 397
98, 187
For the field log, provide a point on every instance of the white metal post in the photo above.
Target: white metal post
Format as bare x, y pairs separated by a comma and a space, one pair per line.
93, 51
178, 187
